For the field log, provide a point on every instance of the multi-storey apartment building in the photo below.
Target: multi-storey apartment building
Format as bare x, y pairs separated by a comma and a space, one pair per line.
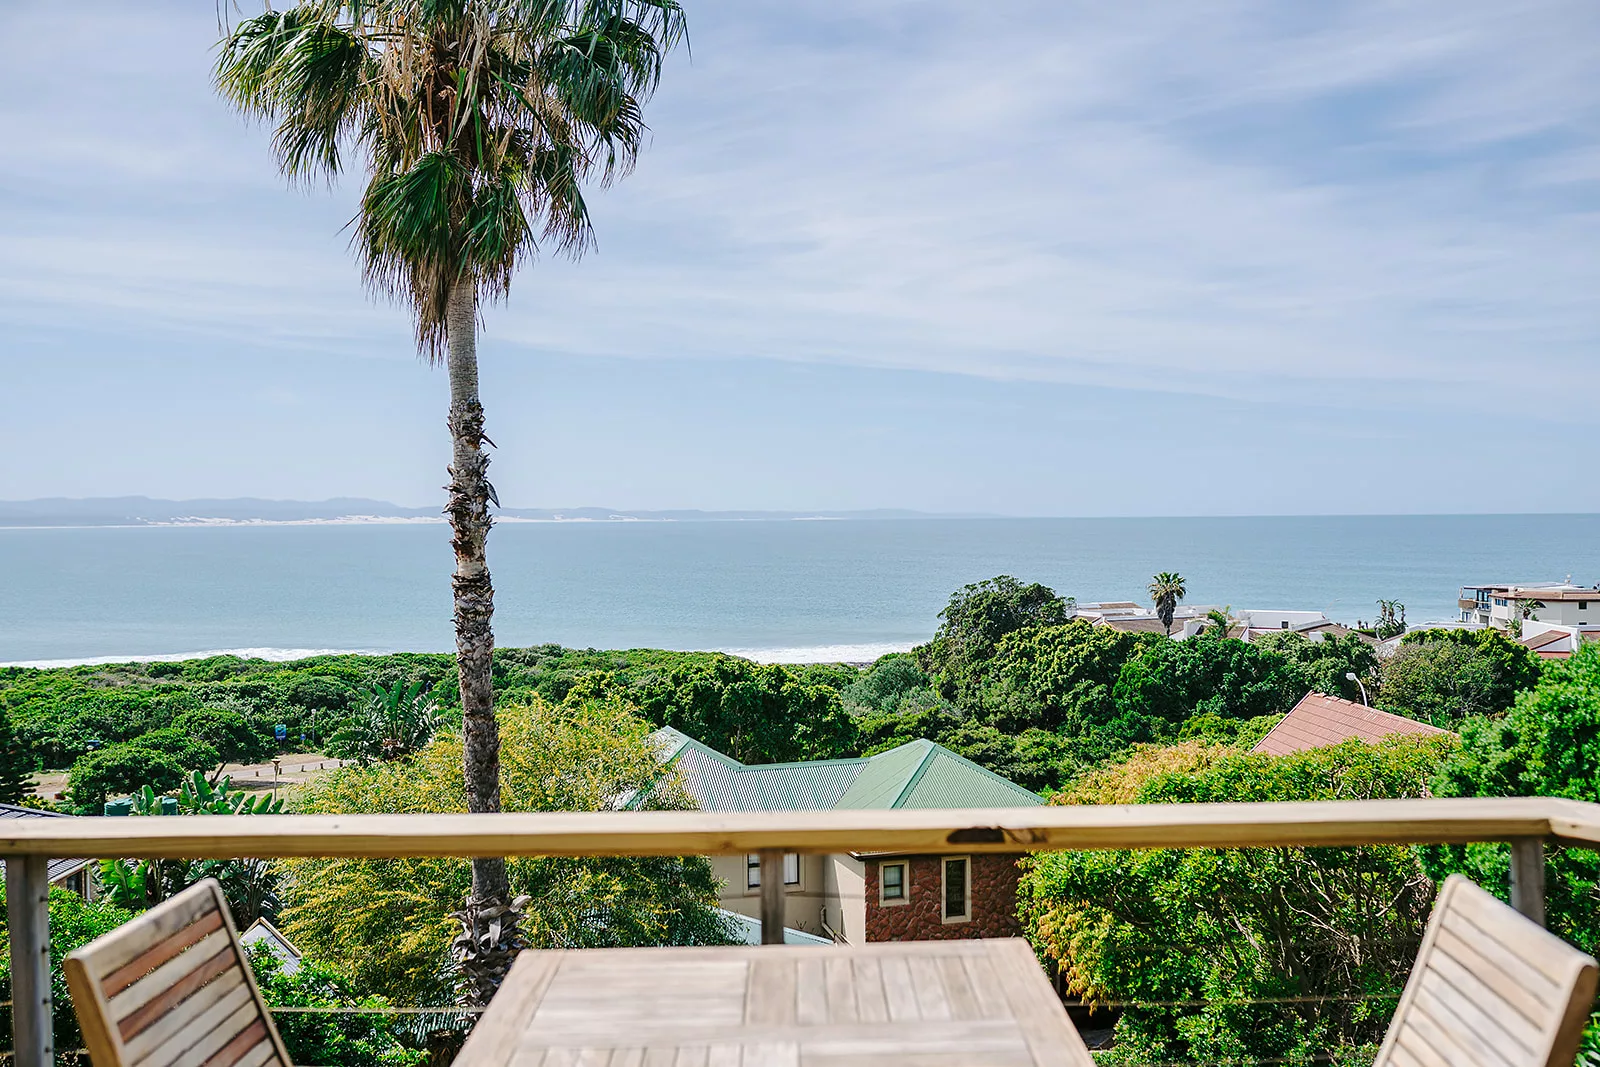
1561, 603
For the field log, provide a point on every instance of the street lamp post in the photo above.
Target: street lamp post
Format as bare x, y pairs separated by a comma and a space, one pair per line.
1351, 676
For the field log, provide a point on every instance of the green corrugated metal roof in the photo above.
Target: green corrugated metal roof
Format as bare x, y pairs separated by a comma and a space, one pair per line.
947, 780
919, 774
883, 783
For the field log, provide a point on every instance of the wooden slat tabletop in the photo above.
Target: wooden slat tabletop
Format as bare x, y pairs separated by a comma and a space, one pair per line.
965, 1003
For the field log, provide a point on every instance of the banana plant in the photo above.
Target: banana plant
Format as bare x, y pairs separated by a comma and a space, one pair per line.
250, 885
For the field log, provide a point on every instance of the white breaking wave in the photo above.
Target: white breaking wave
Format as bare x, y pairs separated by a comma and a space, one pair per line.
821, 653
863, 653
277, 655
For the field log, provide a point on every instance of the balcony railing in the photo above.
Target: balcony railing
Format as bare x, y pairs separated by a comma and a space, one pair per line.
26, 845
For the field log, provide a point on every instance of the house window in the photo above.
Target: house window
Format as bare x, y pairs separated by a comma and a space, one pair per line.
1283, 624
957, 889
1583, 605
892, 883
752, 870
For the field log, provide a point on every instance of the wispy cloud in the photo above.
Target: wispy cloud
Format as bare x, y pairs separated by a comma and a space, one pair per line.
1375, 205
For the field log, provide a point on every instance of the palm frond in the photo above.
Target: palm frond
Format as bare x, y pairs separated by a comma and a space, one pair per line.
480, 122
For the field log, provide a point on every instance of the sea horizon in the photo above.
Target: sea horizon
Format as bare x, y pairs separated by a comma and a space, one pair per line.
775, 591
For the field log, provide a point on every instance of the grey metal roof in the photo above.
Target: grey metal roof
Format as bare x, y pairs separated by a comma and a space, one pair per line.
58, 869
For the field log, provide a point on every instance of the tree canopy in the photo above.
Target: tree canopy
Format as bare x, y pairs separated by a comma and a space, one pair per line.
1547, 745
583, 756
977, 617
1201, 932
1444, 676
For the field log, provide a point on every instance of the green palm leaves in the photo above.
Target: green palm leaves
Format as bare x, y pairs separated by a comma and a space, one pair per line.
1166, 589
480, 121
393, 723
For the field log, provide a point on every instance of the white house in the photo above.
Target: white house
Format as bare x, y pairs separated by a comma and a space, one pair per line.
1561, 603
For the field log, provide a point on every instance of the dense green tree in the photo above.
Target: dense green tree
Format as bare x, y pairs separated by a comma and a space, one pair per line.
1443, 676
1220, 927
1323, 665
1547, 745
226, 729
480, 121
1171, 681
755, 712
1166, 589
1059, 678
352, 1029
15, 762
74, 922
885, 684
974, 621
189, 751
389, 919
118, 770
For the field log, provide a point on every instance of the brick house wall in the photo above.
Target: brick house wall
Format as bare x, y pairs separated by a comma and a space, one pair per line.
992, 905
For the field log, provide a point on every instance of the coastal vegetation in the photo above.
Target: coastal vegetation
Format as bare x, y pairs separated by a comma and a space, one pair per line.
578, 756
1009, 680
1243, 955
1200, 955
479, 124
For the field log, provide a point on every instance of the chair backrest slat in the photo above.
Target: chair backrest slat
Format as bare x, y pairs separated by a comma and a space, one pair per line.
1489, 989
172, 989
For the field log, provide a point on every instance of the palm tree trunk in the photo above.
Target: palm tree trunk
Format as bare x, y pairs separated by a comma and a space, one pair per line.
474, 594
489, 938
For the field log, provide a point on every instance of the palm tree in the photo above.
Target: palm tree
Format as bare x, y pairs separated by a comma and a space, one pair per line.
478, 122
1166, 589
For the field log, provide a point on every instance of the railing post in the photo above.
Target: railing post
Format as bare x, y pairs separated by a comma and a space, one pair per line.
28, 913
1527, 877
772, 917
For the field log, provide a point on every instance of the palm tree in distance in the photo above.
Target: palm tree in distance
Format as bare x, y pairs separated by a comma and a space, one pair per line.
477, 122
1166, 589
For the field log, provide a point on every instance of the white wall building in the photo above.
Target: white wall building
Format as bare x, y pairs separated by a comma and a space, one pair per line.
1561, 603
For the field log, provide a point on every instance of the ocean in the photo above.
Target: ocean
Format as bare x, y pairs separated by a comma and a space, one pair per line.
778, 590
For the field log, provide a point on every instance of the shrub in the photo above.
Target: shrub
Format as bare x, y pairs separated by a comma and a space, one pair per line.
74, 922
1228, 927
389, 919
118, 770
362, 1037
1444, 676
1547, 745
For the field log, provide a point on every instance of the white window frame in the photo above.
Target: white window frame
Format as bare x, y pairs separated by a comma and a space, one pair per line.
886, 901
752, 871
966, 897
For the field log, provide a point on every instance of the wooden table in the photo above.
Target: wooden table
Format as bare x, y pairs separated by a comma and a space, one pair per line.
966, 1003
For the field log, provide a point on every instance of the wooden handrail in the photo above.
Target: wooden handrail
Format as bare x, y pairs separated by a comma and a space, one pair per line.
1352, 822
26, 843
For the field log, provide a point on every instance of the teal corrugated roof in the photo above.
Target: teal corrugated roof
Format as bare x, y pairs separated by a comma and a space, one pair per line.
947, 780
919, 774
769, 787
883, 783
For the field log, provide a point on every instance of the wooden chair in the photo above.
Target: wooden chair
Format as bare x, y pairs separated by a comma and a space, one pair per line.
172, 988
1489, 989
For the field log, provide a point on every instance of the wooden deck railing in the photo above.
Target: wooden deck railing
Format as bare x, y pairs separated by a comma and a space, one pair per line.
26, 845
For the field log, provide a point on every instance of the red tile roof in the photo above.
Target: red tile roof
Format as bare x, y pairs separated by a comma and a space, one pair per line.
1320, 720
1549, 637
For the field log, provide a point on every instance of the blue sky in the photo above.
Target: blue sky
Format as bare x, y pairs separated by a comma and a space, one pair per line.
1034, 258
